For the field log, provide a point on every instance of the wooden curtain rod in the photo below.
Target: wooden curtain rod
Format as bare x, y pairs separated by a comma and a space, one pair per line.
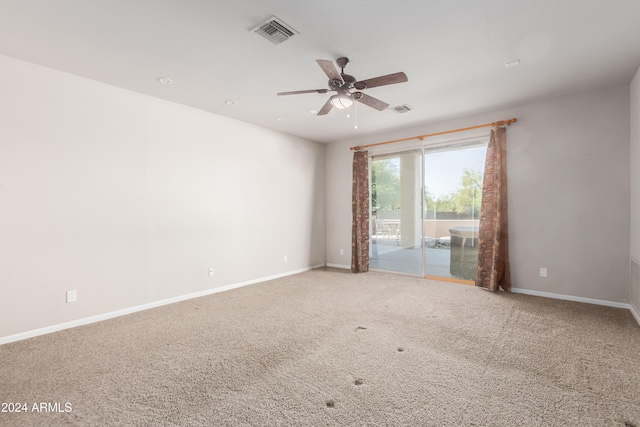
421, 137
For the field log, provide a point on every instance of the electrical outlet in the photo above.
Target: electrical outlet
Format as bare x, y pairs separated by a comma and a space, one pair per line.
543, 272
341, 251
211, 271
72, 296
285, 258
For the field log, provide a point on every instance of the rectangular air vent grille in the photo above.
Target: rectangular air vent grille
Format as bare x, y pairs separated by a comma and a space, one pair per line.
275, 30
404, 108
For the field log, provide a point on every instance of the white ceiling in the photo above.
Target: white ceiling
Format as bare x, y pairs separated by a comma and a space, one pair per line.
453, 52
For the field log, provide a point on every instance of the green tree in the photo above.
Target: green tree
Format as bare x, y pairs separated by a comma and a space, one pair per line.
385, 185
441, 204
446, 203
468, 198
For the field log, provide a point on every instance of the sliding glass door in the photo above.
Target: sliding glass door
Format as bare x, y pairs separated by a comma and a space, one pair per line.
396, 212
426, 210
453, 194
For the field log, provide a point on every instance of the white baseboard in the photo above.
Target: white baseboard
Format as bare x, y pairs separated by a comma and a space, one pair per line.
635, 311
346, 267
118, 313
571, 298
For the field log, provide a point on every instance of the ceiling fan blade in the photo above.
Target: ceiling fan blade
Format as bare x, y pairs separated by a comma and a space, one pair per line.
325, 108
370, 101
297, 92
329, 69
389, 79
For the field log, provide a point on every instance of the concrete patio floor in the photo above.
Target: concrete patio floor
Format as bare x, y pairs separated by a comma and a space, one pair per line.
386, 255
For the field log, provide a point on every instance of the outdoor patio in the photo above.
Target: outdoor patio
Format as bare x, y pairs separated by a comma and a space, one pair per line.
386, 254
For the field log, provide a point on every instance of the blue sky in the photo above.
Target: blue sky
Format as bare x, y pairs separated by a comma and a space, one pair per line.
444, 169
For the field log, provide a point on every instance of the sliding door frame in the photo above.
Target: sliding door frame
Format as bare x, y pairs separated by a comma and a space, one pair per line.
443, 144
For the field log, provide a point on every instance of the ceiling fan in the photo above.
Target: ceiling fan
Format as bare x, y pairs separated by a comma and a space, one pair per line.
343, 84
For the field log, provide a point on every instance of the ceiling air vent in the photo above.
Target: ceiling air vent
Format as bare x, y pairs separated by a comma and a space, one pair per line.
401, 109
275, 30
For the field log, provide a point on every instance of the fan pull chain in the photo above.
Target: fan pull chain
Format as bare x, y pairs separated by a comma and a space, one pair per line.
355, 115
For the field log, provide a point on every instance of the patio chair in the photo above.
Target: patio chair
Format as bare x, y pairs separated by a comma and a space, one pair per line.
382, 229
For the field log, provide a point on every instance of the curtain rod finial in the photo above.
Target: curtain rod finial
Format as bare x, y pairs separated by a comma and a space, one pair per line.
504, 122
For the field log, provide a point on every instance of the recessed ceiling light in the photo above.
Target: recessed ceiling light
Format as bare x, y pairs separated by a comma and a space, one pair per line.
281, 119
512, 63
165, 80
231, 102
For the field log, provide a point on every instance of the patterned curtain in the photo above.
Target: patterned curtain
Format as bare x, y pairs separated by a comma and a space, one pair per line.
360, 208
493, 240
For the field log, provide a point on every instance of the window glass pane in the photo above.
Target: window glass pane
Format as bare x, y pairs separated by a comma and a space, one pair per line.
453, 194
396, 204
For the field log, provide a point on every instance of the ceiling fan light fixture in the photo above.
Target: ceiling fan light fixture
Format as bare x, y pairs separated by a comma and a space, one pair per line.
342, 101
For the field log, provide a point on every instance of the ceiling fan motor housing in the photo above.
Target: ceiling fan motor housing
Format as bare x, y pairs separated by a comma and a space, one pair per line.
350, 80
335, 84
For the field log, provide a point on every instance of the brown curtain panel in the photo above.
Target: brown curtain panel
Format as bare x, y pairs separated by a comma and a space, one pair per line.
360, 208
493, 240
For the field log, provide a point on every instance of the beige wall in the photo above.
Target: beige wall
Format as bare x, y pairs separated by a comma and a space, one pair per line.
635, 193
568, 177
129, 199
